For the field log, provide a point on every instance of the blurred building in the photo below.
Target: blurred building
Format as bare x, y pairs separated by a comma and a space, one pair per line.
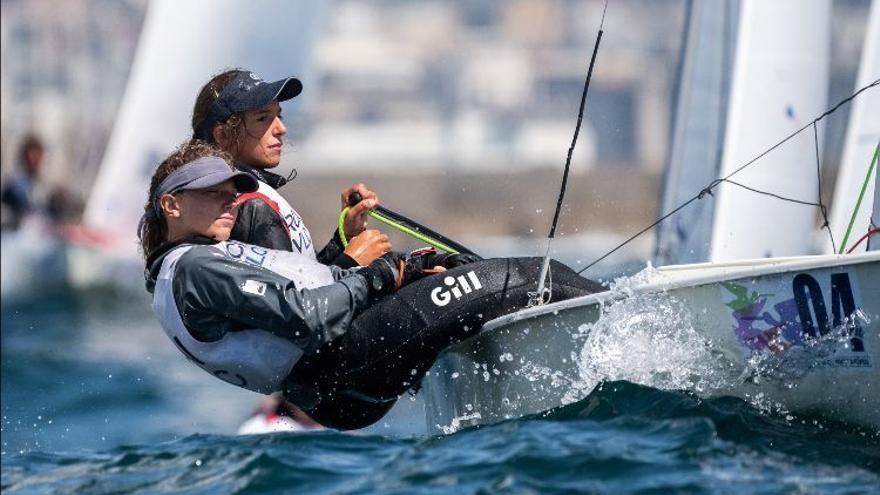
493, 85
63, 72
467, 93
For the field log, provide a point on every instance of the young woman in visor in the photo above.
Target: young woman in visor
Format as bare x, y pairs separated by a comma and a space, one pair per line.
341, 343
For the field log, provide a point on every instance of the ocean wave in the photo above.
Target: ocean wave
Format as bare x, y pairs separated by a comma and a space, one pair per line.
622, 438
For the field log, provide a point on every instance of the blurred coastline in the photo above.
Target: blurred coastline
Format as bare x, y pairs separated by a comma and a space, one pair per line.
449, 109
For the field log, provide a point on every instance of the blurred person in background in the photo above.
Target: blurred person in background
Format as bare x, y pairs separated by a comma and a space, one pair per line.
241, 113
24, 192
26, 195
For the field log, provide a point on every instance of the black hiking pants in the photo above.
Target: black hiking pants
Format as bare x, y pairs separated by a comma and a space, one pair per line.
391, 345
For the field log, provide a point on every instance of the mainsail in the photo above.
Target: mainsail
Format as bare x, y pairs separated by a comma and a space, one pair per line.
184, 43
698, 139
778, 53
780, 82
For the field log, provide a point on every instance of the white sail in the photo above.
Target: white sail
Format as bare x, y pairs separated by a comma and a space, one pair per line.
184, 43
862, 137
697, 143
780, 83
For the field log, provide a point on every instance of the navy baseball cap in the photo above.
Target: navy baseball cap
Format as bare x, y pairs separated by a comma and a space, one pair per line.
246, 92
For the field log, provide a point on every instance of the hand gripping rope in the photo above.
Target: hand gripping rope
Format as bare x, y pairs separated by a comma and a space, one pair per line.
404, 225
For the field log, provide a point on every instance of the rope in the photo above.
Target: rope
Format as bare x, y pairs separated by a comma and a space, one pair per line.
708, 189
862, 239
391, 223
859, 200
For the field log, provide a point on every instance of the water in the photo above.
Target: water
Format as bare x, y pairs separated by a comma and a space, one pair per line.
95, 400
650, 339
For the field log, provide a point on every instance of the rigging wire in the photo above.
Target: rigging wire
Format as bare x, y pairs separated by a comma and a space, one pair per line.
577, 128
774, 195
539, 297
825, 224
708, 189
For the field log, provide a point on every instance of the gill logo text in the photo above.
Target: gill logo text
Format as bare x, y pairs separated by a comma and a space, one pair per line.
455, 287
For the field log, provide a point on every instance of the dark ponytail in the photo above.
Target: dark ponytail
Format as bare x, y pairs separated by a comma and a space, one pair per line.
209, 93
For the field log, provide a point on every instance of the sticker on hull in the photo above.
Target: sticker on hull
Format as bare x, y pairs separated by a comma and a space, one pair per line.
776, 318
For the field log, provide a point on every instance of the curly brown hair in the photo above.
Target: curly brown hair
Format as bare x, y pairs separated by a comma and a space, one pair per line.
153, 229
234, 125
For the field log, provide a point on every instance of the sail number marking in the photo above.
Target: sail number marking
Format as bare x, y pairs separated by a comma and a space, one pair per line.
813, 311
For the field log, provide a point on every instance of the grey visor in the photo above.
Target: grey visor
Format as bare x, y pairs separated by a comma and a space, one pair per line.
246, 92
200, 174
197, 174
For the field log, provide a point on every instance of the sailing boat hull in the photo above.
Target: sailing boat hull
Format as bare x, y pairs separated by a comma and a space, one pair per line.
797, 334
40, 260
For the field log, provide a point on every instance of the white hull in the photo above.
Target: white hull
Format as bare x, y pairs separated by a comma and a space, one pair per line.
37, 262
751, 317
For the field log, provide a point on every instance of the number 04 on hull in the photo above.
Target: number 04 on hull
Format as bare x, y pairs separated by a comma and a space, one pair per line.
814, 319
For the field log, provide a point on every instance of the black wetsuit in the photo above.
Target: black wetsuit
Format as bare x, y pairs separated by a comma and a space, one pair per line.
354, 379
352, 354
391, 345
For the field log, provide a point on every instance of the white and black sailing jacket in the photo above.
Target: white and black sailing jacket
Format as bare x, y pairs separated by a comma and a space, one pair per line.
246, 314
266, 219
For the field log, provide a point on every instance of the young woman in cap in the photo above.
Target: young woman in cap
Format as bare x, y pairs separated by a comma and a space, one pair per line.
241, 113
342, 344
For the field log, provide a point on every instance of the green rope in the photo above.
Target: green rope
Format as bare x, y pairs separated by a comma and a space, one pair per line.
861, 196
391, 223
341, 227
